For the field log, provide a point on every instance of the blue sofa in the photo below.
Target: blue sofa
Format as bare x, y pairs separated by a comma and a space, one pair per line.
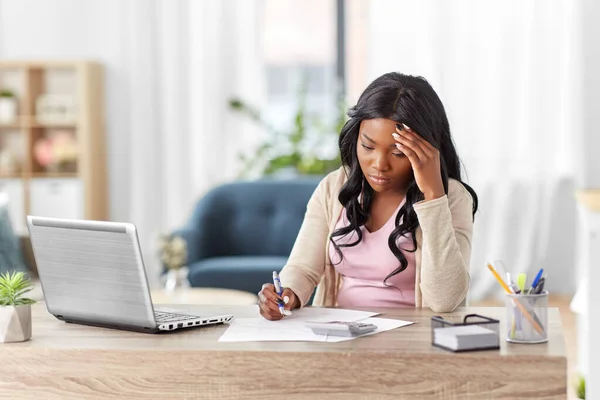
240, 232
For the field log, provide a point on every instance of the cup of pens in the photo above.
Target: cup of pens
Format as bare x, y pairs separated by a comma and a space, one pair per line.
527, 317
526, 308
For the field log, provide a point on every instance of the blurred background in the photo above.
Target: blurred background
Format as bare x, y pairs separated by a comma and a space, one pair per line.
212, 121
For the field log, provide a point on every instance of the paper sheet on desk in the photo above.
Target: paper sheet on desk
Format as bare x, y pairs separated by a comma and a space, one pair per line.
293, 328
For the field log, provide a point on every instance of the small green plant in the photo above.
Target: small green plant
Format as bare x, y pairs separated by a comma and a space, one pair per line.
13, 287
6, 93
580, 388
268, 159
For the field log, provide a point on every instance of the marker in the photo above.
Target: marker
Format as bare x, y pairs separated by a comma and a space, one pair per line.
521, 282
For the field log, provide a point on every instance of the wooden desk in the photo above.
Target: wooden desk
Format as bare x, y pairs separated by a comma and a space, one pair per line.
74, 361
206, 296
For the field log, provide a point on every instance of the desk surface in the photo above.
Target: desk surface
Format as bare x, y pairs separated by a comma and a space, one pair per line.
206, 296
48, 332
396, 363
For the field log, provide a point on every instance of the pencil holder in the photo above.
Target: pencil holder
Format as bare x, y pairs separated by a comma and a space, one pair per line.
527, 318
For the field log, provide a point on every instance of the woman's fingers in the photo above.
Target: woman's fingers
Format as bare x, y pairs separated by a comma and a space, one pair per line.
410, 154
270, 315
290, 299
268, 302
268, 291
409, 148
414, 137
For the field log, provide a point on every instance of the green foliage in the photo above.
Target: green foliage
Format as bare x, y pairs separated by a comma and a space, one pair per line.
265, 158
6, 93
13, 287
580, 388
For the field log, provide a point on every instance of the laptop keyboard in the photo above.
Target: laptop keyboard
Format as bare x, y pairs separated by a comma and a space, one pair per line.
170, 317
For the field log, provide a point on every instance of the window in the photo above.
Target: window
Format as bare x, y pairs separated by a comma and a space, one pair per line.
299, 41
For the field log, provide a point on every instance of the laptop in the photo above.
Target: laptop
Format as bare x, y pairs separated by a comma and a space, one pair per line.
92, 273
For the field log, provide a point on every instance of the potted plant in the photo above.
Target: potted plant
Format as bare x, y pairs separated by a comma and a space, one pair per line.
173, 254
15, 308
298, 158
8, 106
580, 388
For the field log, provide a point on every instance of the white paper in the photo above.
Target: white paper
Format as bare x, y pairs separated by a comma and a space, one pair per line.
383, 324
293, 328
290, 328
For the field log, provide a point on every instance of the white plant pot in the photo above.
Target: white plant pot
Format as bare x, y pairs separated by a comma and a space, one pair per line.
15, 323
8, 109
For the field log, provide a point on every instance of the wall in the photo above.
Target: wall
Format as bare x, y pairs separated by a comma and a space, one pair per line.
589, 178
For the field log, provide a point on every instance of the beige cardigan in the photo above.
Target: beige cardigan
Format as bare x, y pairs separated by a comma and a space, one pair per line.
442, 256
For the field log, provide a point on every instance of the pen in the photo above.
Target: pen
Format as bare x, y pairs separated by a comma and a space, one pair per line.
279, 290
516, 320
511, 284
500, 281
540, 286
536, 280
525, 312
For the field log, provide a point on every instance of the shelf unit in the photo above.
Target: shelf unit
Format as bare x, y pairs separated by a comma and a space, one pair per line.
78, 189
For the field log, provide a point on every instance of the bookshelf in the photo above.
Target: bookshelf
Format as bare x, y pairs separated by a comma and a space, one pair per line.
52, 153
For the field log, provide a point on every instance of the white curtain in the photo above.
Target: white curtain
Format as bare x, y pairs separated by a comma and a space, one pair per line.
186, 59
508, 74
170, 67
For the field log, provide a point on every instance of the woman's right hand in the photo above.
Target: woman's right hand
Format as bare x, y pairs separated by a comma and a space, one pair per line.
268, 301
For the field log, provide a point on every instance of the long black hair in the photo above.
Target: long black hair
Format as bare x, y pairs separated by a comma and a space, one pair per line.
405, 99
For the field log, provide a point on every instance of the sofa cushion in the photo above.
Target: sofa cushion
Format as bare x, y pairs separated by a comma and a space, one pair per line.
246, 273
249, 218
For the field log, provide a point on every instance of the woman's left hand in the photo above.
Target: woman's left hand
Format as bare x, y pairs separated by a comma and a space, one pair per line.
425, 161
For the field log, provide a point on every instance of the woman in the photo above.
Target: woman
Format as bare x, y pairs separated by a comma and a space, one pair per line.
392, 227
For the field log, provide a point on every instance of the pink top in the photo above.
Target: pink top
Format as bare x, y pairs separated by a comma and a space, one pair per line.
365, 266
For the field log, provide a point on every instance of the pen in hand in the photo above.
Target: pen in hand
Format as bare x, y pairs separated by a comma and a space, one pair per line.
279, 291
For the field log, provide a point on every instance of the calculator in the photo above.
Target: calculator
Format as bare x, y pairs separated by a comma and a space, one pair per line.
341, 328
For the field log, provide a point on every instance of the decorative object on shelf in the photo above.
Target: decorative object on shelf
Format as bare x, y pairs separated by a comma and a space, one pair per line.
66, 176
8, 106
173, 254
56, 109
15, 308
57, 153
9, 162
298, 158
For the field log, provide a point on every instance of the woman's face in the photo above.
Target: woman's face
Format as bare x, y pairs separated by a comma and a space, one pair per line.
385, 167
